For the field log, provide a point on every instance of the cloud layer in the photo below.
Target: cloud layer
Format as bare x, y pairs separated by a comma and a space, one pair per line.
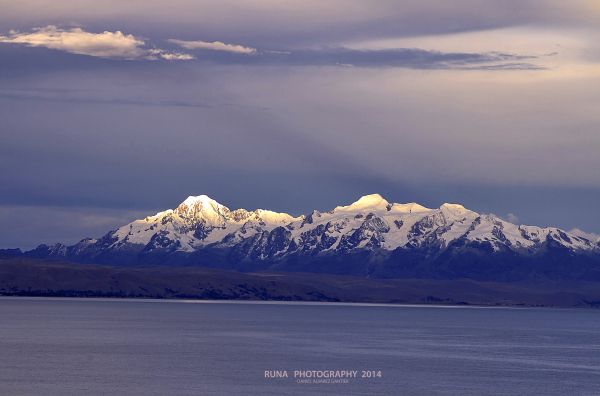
214, 46
413, 58
78, 41
118, 45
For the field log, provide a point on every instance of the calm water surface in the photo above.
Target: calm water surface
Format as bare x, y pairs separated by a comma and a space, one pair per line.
120, 347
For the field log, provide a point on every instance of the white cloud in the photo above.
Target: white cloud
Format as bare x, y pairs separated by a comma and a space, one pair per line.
78, 41
162, 54
214, 45
512, 218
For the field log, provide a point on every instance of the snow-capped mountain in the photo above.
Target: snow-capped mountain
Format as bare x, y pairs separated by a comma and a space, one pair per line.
197, 222
370, 237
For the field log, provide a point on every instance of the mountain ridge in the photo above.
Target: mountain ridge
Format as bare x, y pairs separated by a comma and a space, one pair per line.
369, 237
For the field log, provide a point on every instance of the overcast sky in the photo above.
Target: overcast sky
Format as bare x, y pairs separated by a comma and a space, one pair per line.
111, 110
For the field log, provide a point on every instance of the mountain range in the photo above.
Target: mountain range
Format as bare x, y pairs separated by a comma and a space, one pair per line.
370, 237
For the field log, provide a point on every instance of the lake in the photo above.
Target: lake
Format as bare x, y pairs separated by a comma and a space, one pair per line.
153, 347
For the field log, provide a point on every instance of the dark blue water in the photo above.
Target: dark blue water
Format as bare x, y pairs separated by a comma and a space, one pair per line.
99, 347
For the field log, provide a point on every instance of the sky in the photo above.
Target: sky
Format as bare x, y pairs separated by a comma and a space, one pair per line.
113, 110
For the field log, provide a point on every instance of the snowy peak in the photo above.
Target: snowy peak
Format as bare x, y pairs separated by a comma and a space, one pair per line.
200, 203
199, 200
375, 202
365, 203
202, 207
452, 209
411, 207
586, 235
269, 216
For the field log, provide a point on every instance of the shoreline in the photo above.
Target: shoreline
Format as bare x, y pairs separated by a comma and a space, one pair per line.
279, 302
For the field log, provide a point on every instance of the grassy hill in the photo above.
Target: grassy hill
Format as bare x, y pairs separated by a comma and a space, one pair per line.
33, 277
